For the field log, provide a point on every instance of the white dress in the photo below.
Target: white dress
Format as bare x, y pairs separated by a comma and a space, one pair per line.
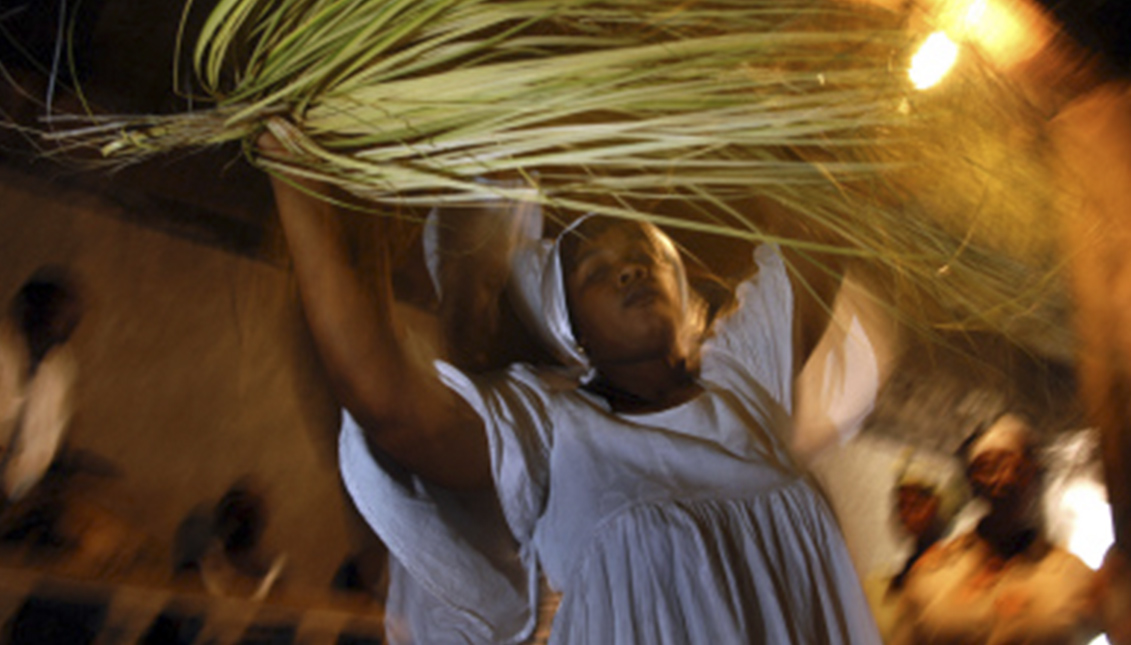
690, 525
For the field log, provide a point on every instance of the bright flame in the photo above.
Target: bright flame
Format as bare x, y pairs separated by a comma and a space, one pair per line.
1092, 531
1100, 640
933, 60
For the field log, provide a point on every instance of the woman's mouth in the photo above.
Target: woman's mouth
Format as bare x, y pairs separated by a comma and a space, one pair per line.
640, 295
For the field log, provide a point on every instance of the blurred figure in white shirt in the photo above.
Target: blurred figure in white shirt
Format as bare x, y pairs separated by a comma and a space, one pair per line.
37, 374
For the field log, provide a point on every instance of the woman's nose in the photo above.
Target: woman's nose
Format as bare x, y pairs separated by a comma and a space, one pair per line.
631, 272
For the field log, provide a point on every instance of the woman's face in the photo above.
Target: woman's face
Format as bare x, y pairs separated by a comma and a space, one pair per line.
917, 506
623, 295
1002, 475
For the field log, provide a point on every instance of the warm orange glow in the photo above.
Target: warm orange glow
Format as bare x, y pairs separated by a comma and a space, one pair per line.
1006, 31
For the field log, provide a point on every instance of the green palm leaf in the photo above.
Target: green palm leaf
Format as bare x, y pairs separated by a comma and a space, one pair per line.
645, 108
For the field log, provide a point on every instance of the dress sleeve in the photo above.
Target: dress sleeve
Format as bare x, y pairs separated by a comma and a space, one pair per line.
838, 386
835, 390
470, 572
515, 410
757, 338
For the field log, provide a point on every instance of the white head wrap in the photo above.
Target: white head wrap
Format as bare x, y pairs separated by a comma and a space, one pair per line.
537, 281
937, 473
539, 294
538, 290
1009, 432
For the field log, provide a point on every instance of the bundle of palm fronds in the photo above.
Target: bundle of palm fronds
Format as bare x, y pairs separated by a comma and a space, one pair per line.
672, 110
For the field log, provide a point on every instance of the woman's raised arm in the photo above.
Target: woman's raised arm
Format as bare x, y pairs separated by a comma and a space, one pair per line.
841, 378
395, 396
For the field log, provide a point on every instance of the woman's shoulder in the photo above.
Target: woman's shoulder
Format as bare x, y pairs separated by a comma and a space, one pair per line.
550, 377
766, 288
521, 399
768, 277
547, 379
755, 340
546, 382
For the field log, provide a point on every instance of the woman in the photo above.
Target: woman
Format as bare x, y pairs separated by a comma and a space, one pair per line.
1002, 582
661, 497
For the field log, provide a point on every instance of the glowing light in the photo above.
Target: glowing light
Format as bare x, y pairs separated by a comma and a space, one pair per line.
1086, 504
1007, 31
976, 13
1099, 640
933, 60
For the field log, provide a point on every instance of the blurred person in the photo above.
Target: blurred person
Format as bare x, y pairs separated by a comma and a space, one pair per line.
1003, 581
222, 544
45, 505
926, 499
1093, 136
1087, 99
1091, 130
37, 375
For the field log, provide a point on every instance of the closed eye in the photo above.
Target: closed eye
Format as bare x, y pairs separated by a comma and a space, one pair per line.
596, 272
